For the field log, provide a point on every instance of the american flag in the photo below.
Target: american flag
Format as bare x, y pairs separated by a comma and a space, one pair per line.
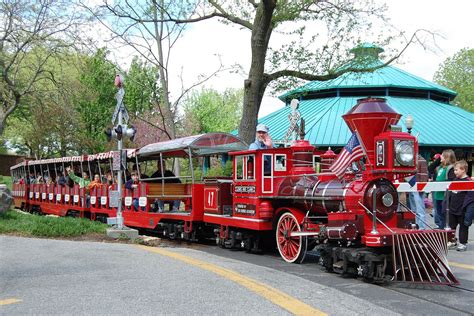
352, 151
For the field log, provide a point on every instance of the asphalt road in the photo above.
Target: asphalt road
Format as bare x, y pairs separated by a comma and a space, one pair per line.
41, 276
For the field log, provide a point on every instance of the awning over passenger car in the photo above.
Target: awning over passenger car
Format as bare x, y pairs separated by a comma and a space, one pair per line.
199, 145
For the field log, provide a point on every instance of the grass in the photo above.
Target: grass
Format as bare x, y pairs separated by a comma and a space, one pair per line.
12, 222
6, 180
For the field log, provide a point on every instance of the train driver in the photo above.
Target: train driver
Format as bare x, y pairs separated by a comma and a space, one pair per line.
263, 139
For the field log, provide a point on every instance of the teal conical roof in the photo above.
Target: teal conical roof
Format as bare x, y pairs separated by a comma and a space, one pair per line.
389, 77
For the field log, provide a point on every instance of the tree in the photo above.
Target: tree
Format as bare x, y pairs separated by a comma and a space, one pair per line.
45, 123
139, 25
210, 111
457, 73
68, 116
24, 26
94, 100
340, 22
141, 83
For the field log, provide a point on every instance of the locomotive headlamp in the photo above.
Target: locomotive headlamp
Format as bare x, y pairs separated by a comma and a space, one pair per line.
404, 152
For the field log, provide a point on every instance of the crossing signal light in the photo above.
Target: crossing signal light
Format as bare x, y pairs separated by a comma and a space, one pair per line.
109, 133
119, 131
130, 132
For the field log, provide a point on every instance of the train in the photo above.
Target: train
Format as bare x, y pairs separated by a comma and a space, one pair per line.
287, 196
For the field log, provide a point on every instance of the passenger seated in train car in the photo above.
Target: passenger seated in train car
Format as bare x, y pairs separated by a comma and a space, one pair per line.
96, 183
51, 181
31, 178
131, 185
128, 175
83, 183
63, 179
136, 168
167, 177
107, 178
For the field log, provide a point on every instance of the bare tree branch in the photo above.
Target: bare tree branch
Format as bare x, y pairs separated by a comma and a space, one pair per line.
332, 75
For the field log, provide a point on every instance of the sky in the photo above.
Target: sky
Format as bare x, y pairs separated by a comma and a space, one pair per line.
196, 53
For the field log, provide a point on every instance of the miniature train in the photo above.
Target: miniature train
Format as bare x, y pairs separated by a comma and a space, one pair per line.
354, 222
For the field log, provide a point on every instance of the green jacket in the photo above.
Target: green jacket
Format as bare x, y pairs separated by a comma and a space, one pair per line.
81, 181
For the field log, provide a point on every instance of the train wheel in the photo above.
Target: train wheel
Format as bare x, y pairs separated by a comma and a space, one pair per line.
292, 249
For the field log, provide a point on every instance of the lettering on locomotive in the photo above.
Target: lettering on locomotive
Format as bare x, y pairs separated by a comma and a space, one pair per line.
245, 209
244, 189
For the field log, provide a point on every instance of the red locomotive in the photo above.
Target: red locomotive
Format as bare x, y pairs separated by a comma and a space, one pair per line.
353, 220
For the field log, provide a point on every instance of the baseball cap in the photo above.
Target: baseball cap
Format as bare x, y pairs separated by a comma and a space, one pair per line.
262, 128
437, 156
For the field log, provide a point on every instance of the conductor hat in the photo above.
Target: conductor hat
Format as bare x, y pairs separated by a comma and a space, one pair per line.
262, 128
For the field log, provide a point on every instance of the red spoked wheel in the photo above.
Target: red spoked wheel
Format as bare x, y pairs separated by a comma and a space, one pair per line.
291, 248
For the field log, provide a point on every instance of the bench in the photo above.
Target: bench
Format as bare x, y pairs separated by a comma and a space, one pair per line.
169, 190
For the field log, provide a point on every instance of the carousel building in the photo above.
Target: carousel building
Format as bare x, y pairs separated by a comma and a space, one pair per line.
437, 123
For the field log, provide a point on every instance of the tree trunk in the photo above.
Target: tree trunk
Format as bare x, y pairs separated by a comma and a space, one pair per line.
166, 104
2, 121
255, 84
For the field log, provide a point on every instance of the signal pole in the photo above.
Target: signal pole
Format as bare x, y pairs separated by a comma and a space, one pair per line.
120, 110
120, 115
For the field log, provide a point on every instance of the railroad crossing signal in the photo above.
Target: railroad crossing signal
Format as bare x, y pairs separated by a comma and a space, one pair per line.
120, 113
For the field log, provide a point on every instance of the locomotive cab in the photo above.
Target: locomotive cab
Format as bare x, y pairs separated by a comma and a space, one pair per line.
259, 176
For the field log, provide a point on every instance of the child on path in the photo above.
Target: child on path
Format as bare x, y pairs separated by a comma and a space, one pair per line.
455, 201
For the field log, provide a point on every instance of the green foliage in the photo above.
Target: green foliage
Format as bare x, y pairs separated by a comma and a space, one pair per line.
6, 180
3, 147
96, 102
457, 73
141, 86
210, 111
68, 115
41, 226
216, 170
44, 123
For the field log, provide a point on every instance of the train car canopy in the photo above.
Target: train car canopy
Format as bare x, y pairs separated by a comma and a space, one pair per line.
198, 145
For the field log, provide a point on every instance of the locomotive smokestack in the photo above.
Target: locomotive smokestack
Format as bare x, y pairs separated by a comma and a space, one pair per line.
370, 117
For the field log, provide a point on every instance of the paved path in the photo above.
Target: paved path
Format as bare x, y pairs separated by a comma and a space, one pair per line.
66, 277
41, 276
